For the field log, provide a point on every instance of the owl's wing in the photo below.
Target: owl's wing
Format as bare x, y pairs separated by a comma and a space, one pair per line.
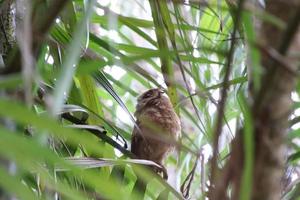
136, 140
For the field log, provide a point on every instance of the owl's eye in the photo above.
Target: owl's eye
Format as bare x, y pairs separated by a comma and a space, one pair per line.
148, 95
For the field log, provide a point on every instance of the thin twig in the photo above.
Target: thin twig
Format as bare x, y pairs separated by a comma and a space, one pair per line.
202, 165
277, 57
100, 134
221, 105
181, 67
294, 121
291, 30
185, 188
24, 38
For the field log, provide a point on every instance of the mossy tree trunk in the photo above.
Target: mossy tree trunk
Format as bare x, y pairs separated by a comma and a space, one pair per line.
7, 27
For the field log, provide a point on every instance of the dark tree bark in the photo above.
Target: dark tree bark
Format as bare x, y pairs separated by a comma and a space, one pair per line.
270, 108
7, 27
272, 103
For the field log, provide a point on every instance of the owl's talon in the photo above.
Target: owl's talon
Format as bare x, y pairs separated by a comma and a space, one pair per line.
165, 173
162, 170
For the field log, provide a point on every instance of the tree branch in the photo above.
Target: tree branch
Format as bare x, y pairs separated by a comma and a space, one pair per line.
221, 105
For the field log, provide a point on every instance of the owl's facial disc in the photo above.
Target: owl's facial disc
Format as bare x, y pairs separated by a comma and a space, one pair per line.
150, 95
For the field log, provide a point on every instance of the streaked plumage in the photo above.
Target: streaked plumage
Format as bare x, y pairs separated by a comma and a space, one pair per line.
159, 127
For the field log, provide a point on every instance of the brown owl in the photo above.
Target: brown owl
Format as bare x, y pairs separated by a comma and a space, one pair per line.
158, 127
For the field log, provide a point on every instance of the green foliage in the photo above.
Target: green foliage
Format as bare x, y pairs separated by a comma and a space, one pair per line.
100, 57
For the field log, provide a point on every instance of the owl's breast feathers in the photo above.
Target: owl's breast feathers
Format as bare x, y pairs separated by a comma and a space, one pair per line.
158, 130
159, 116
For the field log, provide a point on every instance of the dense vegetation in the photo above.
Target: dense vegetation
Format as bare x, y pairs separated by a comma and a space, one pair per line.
71, 72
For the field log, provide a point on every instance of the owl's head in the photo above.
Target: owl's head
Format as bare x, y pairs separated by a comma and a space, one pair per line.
149, 96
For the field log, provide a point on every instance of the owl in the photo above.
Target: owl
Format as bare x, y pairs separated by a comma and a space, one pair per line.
158, 127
